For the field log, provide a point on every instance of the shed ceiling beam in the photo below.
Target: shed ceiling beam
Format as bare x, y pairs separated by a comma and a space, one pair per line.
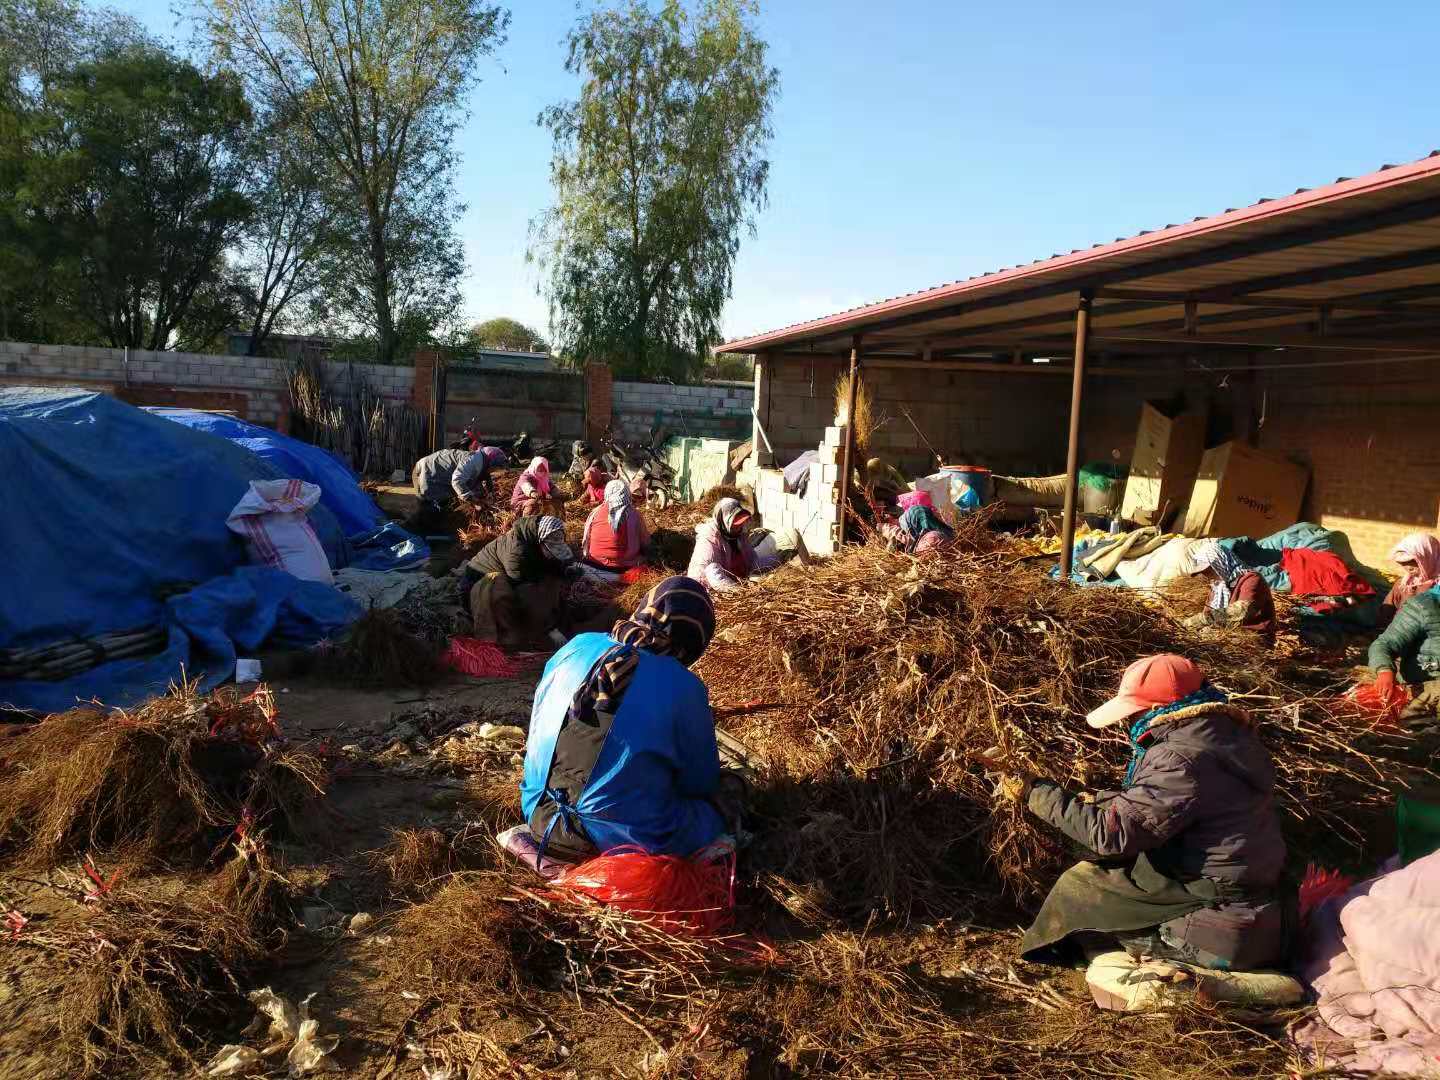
1389, 217
1285, 303
1320, 275
1262, 340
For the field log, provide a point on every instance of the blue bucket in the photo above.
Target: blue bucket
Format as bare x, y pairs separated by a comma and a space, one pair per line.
977, 477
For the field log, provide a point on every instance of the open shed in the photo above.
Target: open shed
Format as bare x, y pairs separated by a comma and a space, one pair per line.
1306, 326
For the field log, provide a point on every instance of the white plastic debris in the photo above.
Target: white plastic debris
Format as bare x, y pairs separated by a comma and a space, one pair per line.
291, 1031
501, 733
232, 1060
360, 922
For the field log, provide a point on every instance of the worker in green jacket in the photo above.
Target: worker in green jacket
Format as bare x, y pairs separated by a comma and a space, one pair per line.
1412, 641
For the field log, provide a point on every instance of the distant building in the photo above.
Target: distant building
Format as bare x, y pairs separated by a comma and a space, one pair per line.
505, 360
286, 346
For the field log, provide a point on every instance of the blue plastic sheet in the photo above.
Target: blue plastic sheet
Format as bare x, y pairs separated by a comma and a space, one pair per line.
340, 491
388, 548
108, 512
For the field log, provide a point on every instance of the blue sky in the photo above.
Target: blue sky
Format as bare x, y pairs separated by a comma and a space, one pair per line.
923, 141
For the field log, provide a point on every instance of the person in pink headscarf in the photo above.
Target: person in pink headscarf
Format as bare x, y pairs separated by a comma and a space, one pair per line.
1418, 556
533, 491
596, 480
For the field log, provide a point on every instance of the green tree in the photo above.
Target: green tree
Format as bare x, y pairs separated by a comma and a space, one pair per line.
380, 86
658, 168
503, 333
131, 187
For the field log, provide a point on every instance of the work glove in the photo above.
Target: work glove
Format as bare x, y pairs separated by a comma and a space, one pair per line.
1014, 789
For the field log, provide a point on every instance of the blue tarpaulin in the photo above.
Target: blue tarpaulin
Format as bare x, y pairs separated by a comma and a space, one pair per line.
340, 491
112, 513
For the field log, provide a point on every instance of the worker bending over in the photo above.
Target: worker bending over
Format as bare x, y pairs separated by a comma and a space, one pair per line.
919, 529
724, 558
1239, 597
513, 588
615, 534
622, 742
1188, 853
445, 478
1411, 643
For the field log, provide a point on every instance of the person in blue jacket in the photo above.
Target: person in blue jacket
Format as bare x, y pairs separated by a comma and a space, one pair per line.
621, 750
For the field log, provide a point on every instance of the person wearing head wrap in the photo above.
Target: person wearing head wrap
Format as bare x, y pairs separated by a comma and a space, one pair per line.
1239, 597
1418, 556
919, 530
615, 534
1188, 853
513, 587
533, 491
883, 481
723, 558
621, 748
596, 480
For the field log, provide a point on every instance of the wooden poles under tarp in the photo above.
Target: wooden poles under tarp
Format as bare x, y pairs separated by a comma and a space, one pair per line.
849, 452
1072, 450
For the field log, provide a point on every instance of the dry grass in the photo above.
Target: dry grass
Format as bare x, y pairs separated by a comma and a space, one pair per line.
150, 979
414, 860
152, 784
463, 939
870, 682
865, 421
378, 652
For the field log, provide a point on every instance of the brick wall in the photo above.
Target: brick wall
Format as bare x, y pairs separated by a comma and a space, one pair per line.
254, 387
599, 400
1372, 441
550, 405
1014, 423
716, 410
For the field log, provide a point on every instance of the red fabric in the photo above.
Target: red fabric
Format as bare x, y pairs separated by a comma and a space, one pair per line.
1322, 573
608, 547
692, 895
1320, 885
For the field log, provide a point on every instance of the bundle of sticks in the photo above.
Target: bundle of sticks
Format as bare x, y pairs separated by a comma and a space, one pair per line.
883, 677
64, 659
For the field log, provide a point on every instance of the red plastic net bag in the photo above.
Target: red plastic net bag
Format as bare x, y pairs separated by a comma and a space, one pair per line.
694, 895
1320, 885
482, 659
1379, 708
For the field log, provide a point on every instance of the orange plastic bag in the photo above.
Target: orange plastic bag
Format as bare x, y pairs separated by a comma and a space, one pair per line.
694, 895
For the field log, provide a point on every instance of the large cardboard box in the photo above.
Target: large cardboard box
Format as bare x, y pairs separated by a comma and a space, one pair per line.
1243, 492
1163, 467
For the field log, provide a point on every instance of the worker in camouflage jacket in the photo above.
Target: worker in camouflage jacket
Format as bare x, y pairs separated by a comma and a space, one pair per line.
1412, 643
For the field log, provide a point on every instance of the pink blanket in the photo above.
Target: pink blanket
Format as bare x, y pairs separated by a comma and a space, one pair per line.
1375, 965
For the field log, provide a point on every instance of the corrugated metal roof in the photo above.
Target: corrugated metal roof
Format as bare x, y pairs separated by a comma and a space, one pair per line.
1355, 237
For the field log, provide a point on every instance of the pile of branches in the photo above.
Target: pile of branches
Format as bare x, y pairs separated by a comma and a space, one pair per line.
378, 651
158, 783
376, 435
871, 682
149, 978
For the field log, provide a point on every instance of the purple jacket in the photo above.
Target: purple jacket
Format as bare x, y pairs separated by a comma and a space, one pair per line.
1201, 805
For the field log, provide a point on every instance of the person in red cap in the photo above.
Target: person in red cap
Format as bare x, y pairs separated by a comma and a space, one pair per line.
1187, 855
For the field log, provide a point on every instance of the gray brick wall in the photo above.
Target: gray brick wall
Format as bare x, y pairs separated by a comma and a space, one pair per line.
717, 410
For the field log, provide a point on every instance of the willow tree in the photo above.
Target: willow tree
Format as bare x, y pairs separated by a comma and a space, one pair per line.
658, 169
380, 86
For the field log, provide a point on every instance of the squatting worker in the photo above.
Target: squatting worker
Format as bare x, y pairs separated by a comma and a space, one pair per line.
1239, 597
919, 529
445, 477
1187, 855
514, 586
724, 558
533, 492
1418, 557
622, 742
615, 533
1411, 643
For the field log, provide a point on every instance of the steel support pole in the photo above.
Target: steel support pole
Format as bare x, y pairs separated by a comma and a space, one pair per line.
1072, 450
849, 452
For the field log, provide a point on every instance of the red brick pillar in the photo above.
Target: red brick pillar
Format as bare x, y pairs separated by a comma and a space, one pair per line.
421, 392
599, 389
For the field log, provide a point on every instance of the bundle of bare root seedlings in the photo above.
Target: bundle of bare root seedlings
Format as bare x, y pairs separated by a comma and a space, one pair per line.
150, 979
414, 859
871, 682
378, 651
158, 783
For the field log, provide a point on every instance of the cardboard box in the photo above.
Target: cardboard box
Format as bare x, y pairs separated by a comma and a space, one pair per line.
1164, 464
1242, 492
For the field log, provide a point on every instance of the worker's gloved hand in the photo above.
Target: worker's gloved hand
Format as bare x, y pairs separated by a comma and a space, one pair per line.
574, 570
1385, 686
1014, 789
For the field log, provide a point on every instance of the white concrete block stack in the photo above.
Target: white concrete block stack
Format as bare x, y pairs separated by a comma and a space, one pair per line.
814, 515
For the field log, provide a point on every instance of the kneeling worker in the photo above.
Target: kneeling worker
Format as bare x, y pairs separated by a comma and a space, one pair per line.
615, 533
1188, 853
513, 587
622, 742
1411, 642
1239, 597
